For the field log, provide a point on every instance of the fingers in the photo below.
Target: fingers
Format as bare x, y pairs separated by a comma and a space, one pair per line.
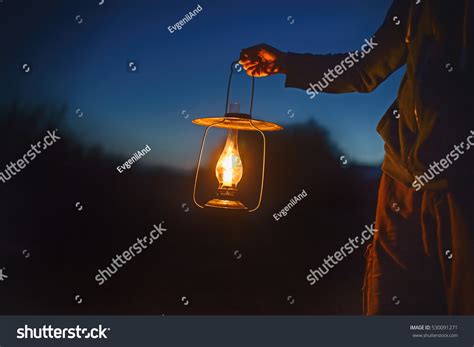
250, 71
249, 61
252, 53
255, 60
256, 71
249, 64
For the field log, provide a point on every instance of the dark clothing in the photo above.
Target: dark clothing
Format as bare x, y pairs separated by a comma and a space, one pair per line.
435, 103
421, 259
433, 113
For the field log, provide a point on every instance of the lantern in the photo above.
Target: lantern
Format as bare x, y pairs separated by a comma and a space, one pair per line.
230, 169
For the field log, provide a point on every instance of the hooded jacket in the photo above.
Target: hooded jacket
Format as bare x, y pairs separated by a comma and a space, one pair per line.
434, 110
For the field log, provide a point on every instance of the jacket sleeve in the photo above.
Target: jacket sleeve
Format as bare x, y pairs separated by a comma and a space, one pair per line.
355, 71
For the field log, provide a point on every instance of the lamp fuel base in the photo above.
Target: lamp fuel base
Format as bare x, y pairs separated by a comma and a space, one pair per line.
227, 204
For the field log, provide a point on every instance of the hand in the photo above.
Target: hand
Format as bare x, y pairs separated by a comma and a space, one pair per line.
263, 60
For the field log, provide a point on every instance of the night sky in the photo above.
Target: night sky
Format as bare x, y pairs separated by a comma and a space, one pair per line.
85, 66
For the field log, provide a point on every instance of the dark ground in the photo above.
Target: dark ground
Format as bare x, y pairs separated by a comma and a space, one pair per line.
195, 257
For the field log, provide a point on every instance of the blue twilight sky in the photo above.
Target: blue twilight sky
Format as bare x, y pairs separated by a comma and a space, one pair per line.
85, 66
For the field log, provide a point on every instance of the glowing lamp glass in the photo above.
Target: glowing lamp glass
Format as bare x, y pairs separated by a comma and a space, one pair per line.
229, 169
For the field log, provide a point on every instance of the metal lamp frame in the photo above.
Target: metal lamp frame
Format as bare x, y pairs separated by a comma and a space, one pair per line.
239, 121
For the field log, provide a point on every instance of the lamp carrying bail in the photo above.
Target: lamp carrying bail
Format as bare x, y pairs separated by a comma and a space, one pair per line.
238, 115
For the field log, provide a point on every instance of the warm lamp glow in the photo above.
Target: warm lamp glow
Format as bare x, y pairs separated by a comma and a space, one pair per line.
229, 169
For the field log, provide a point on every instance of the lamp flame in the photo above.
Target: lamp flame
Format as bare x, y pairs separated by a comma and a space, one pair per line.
229, 169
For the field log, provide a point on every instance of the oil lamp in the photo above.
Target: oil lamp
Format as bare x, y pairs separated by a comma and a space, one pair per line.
229, 168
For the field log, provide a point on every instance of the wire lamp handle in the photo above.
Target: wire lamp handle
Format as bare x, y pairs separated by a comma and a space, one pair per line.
228, 88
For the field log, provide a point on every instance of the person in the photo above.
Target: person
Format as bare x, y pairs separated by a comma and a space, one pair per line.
421, 259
